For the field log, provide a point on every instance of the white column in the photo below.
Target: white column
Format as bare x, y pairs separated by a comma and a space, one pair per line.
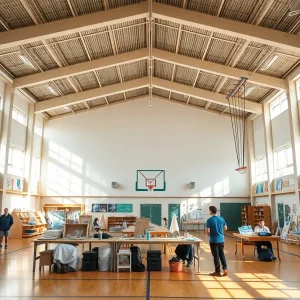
5, 139
29, 149
251, 160
269, 156
295, 134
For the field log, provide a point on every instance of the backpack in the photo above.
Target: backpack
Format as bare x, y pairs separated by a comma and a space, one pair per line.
265, 255
263, 233
136, 260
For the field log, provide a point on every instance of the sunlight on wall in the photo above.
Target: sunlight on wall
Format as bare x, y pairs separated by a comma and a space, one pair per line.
19, 201
61, 177
222, 187
206, 192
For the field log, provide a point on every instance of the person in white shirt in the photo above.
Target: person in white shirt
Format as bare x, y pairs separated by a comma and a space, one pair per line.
262, 228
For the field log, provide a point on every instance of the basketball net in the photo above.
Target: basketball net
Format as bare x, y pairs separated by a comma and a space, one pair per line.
150, 188
236, 100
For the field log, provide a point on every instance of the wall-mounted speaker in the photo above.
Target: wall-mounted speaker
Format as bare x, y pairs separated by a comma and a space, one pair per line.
192, 184
114, 184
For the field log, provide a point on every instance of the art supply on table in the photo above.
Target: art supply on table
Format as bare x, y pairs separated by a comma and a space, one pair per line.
100, 235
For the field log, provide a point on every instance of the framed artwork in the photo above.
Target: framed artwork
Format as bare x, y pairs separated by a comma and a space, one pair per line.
278, 184
112, 207
259, 188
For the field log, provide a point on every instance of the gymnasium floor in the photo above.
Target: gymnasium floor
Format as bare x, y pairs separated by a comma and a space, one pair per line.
251, 279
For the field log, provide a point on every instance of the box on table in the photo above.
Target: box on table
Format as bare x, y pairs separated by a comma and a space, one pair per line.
70, 229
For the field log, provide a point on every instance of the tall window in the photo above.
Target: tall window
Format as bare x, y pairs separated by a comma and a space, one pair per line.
19, 116
260, 168
38, 129
16, 158
279, 105
283, 160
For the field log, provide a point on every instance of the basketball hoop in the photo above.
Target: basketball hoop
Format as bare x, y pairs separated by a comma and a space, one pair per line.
237, 110
242, 170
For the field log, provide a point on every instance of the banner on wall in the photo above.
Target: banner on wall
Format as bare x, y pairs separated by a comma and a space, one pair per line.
112, 208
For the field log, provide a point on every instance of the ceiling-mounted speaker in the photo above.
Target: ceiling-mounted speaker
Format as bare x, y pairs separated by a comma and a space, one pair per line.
192, 184
114, 184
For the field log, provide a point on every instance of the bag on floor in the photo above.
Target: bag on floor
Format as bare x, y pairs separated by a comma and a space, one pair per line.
265, 255
136, 260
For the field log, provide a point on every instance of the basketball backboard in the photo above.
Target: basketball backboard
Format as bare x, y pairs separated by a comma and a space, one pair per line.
145, 178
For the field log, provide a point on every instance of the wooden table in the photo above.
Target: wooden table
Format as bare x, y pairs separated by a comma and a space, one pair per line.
159, 231
158, 240
244, 240
88, 241
185, 223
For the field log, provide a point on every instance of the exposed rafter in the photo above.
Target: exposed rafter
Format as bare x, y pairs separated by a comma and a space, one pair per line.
81, 68
225, 26
202, 94
92, 94
219, 69
68, 26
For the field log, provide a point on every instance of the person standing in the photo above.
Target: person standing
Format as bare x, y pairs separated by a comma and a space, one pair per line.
6, 221
165, 222
215, 227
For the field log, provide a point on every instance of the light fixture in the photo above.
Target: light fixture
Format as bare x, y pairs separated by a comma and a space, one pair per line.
268, 64
52, 91
26, 61
249, 90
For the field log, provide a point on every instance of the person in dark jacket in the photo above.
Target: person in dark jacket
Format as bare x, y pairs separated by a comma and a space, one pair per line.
6, 221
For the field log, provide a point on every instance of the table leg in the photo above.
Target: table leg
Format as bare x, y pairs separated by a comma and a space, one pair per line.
34, 256
90, 246
278, 251
198, 253
242, 246
46, 246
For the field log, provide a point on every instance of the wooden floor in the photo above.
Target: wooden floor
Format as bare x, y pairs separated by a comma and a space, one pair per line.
250, 279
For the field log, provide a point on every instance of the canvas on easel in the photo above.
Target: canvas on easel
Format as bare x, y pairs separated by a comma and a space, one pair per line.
141, 225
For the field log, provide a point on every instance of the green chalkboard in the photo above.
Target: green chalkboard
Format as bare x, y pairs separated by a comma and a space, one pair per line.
124, 208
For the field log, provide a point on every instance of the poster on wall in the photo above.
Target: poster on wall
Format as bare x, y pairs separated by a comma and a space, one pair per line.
18, 186
285, 230
9, 183
278, 184
112, 207
97, 207
259, 188
124, 208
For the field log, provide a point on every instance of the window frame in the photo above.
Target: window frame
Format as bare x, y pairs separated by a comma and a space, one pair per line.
280, 102
19, 113
15, 168
287, 151
40, 131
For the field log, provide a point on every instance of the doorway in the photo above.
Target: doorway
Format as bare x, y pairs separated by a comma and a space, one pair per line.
153, 212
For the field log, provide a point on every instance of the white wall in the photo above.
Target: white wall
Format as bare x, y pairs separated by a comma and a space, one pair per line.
84, 153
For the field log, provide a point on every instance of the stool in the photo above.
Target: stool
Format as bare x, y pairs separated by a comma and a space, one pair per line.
127, 266
46, 259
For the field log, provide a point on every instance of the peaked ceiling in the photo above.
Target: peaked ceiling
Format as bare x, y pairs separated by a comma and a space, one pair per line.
73, 56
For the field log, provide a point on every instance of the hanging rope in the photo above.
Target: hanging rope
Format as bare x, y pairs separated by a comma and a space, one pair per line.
236, 100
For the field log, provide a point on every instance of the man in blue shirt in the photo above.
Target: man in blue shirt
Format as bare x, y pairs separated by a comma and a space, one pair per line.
215, 227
